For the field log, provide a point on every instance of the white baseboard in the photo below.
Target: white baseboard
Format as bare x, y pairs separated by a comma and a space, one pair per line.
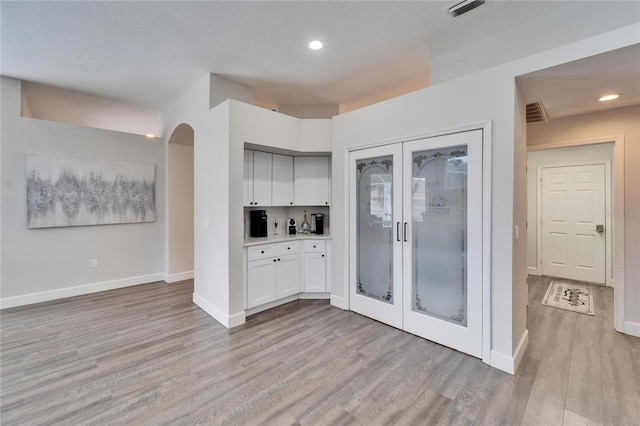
270, 305
502, 362
520, 350
632, 328
314, 295
532, 270
61, 293
181, 276
509, 364
228, 321
339, 302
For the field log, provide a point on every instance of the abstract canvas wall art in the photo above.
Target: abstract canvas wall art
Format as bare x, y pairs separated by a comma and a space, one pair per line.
64, 191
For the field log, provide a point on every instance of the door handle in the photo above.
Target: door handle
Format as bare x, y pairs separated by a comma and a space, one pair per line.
405, 232
397, 231
599, 229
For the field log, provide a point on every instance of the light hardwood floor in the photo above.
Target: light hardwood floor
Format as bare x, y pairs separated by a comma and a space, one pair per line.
147, 355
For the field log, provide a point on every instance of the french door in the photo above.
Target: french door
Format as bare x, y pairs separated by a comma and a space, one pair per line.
416, 242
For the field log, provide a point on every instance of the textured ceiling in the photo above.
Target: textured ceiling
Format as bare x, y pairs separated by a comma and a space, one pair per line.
148, 53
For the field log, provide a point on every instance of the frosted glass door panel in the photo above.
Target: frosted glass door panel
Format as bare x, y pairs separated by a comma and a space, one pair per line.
375, 216
374, 177
439, 228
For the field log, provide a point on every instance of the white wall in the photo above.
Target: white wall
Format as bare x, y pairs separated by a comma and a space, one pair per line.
50, 263
81, 109
486, 95
310, 110
622, 121
180, 172
547, 157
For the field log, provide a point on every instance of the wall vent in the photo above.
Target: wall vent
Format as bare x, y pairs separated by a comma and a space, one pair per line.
536, 113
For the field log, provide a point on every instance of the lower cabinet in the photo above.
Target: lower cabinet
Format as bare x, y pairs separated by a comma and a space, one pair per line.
315, 266
279, 270
273, 272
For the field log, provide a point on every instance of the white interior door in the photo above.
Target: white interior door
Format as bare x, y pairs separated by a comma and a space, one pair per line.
375, 239
572, 222
442, 253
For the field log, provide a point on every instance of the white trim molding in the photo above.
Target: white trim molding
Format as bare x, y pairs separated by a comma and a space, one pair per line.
632, 328
181, 276
79, 290
509, 364
532, 270
228, 321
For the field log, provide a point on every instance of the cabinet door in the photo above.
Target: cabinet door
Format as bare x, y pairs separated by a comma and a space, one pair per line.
288, 282
282, 181
262, 167
261, 282
248, 178
314, 273
311, 181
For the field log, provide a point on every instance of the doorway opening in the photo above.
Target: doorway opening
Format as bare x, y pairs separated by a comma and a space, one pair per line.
180, 204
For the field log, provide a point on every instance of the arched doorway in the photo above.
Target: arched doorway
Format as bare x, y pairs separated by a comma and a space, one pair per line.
180, 204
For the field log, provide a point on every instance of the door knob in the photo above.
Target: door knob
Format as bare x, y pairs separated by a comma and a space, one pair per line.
599, 229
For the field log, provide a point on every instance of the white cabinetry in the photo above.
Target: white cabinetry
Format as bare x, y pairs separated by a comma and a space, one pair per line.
315, 266
312, 181
282, 180
257, 178
273, 272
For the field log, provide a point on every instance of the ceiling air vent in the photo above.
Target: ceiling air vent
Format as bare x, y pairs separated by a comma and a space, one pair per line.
464, 6
536, 113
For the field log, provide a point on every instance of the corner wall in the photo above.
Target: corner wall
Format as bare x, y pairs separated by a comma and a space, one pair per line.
51, 263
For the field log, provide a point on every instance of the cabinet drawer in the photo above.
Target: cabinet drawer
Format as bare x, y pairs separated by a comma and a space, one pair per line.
314, 246
261, 252
288, 248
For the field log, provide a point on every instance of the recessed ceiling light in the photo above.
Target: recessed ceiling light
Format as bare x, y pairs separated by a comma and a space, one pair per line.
150, 136
315, 44
610, 97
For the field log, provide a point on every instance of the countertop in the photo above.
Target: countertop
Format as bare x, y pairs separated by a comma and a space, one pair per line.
282, 237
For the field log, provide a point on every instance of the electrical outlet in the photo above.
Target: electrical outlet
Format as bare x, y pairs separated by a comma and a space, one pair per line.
94, 263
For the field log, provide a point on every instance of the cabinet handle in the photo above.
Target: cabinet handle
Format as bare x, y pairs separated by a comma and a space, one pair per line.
314, 246
323, 255
288, 248
291, 203
397, 231
405, 232
262, 251
278, 260
274, 260
326, 202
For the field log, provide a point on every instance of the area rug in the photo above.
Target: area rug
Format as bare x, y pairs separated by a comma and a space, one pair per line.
570, 297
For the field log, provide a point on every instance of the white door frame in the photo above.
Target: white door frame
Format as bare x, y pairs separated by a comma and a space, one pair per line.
486, 217
617, 216
607, 217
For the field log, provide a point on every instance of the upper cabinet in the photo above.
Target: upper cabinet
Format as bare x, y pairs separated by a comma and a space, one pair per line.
312, 181
282, 181
257, 178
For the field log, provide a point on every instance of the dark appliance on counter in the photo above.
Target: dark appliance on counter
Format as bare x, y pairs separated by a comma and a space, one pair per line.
292, 226
319, 223
257, 223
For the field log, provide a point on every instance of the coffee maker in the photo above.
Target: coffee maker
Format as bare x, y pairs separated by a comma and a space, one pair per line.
319, 223
291, 226
258, 223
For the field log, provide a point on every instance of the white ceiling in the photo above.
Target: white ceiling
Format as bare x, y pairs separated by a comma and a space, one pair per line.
148, 53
